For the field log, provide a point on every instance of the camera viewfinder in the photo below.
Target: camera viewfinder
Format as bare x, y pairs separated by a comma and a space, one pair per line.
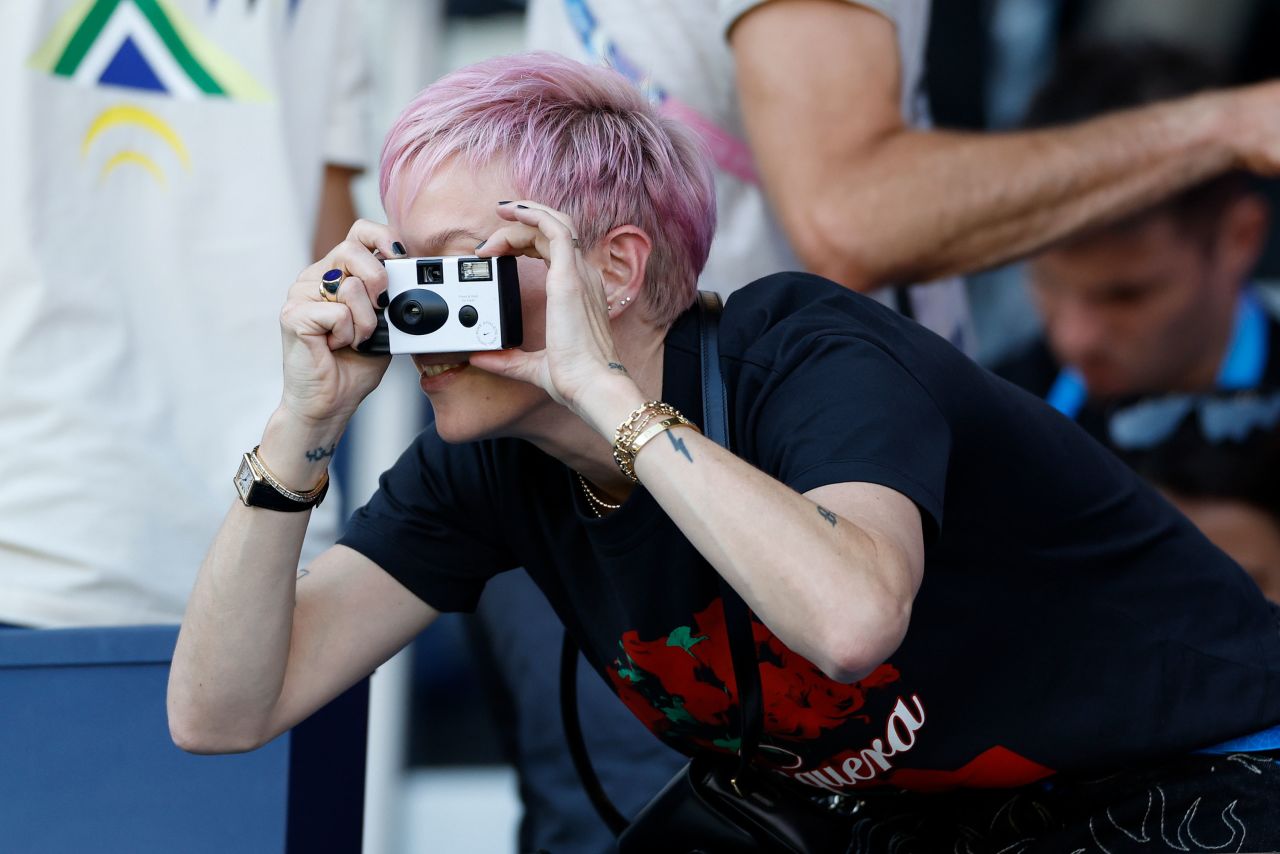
430, 272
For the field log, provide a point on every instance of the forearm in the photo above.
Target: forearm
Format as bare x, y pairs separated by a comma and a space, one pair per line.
918, 205
827, 587
233, 650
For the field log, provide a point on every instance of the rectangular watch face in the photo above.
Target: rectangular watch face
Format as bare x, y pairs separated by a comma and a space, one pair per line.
244, 479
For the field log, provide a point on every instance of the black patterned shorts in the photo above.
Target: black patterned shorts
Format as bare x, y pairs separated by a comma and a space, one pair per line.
1200, 802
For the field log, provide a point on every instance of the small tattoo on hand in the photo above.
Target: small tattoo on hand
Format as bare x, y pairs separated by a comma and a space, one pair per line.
678, 445
616, 366
827, 514
318, 454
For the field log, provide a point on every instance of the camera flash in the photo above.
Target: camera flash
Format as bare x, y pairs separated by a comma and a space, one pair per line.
475, 270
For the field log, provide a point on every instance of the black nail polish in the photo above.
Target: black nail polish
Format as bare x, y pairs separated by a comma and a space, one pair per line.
507, 202
383, 300
480, 245
398, 248
523, 207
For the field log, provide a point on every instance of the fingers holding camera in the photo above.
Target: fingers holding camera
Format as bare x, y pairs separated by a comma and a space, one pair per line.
579, 338
319, 323
353, 258
323, 379
536, 231
348, 294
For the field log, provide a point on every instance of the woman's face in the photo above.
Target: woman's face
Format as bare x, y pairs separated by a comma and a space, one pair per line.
454, 212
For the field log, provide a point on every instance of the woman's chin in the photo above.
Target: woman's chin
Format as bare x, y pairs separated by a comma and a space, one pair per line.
456, 428
478, 405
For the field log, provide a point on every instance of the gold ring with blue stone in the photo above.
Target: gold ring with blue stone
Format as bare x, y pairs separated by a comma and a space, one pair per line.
329, 284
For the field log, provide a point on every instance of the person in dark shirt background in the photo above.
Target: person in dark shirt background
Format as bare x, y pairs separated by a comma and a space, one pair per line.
1144, 316
1216, 457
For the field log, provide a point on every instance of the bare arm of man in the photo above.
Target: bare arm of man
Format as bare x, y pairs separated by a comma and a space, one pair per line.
337, 208
867, 201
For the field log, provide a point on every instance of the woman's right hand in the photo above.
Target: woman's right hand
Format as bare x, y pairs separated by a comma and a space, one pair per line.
324, 379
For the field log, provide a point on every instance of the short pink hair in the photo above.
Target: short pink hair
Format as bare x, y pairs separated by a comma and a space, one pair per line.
579, 138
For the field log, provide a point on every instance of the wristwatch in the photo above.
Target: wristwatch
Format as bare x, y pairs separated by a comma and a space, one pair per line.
258, 487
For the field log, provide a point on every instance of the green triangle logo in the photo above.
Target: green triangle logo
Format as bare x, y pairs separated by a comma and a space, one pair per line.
142, 44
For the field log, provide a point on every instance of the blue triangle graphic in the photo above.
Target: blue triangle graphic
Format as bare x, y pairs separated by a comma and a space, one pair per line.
130, 68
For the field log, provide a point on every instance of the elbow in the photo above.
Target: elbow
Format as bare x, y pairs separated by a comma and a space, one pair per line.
828, 244
209, 742
854, 647
197, 733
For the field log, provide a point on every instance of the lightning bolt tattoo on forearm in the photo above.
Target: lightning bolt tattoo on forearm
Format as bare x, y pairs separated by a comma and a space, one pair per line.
828, 515
678, 445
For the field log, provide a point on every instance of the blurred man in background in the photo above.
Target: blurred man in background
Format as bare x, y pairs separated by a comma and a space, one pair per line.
1155, 340
1159, 301
152, 153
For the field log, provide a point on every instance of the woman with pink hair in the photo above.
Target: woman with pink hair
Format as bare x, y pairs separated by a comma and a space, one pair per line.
961, 608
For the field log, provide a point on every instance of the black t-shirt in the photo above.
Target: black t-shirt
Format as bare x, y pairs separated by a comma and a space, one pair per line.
1068, 617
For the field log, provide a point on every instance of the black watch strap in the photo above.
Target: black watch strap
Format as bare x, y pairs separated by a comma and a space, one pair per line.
263, 494
258, 487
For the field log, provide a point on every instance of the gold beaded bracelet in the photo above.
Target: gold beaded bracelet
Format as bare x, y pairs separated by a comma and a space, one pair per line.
640, 427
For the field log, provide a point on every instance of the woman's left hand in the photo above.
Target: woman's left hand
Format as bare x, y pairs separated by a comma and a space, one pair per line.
580, 347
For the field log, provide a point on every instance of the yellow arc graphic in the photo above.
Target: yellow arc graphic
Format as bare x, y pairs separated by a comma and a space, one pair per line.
130, 115
137, 158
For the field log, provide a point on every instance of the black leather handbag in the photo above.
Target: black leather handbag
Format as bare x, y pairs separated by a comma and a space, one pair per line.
716, 804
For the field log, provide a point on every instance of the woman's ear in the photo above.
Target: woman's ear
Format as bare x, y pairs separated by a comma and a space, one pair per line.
622, 256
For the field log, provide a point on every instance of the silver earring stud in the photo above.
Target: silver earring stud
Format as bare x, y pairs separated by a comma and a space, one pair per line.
624, 301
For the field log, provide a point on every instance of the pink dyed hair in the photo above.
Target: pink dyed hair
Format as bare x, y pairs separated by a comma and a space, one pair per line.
576, 137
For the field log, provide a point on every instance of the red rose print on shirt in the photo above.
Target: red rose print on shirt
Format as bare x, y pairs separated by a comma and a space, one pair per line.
681, 686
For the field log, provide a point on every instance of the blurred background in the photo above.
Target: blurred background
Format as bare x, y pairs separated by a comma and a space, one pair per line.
448, 788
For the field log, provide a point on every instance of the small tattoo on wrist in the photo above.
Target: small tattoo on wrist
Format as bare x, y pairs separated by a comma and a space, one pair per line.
303, 573
678, 445
617, 366
317, 454
828, 515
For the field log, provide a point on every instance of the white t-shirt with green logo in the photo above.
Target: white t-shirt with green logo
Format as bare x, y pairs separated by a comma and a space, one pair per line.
160, 169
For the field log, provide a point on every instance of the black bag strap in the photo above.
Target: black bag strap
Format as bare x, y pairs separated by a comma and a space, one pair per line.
742, 646
608, 813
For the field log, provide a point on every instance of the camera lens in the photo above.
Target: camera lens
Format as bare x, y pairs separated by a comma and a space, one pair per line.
418, 312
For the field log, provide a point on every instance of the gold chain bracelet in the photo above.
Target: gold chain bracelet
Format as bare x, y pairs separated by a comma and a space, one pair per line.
646, 422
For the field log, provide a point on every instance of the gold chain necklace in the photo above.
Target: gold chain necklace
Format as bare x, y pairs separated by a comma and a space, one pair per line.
596, 503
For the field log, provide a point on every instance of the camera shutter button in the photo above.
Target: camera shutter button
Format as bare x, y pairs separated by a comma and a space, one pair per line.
467, 316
